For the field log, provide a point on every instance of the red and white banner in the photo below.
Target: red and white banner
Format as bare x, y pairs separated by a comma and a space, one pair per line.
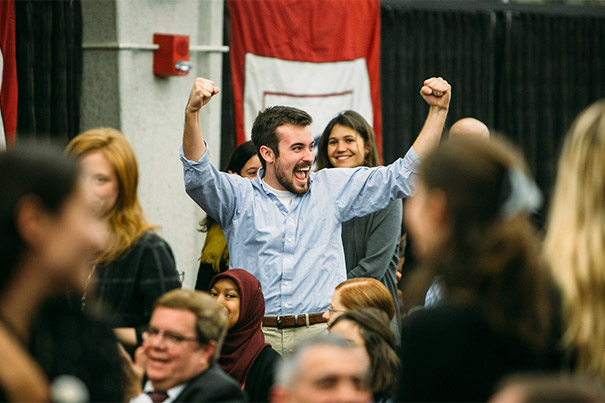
8, 75
322, 56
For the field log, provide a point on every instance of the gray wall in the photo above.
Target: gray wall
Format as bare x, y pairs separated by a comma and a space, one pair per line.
120, 90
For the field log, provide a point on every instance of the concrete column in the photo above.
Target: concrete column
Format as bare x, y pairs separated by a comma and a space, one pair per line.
120, 90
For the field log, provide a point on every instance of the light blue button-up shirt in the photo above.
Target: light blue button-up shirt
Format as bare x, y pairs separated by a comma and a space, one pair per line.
296, 254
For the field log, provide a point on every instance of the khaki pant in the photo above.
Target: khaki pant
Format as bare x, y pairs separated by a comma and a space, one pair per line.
284, 340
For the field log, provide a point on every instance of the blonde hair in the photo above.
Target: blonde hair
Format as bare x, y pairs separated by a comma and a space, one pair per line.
126, 217
575, 239
363, 292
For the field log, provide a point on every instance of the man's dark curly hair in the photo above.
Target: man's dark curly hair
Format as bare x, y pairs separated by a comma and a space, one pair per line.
264, 130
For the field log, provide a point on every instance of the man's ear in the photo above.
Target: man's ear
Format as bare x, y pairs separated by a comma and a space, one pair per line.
208, 351
267, 154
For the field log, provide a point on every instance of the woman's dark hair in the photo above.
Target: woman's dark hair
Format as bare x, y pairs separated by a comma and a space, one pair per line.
42, 173
490, 260
238, 159
379, 339
240, 156
355, 121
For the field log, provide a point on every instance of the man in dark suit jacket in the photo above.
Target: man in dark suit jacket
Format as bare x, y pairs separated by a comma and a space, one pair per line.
180, 348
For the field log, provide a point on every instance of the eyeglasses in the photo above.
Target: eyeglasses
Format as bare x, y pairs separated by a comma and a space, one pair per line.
170, 338
333, 310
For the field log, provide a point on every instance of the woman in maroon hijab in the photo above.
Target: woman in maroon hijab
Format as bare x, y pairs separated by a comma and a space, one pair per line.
245, 356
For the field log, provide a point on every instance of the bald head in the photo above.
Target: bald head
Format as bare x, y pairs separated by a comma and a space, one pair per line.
469, 128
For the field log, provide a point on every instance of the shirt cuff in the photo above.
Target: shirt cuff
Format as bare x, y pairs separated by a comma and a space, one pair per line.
411, 160
204, 159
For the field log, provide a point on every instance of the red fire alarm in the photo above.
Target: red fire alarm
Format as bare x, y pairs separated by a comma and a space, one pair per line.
172, 58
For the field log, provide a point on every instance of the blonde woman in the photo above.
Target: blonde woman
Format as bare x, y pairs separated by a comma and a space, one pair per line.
138, 266
575, 240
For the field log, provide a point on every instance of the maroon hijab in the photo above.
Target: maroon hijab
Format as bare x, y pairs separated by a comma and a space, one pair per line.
245, 340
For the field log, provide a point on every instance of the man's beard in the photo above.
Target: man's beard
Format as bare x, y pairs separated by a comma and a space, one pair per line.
288, 182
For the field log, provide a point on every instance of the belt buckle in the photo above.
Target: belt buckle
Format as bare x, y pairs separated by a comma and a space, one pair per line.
278, 321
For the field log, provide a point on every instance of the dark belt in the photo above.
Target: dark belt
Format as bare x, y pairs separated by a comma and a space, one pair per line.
303, 319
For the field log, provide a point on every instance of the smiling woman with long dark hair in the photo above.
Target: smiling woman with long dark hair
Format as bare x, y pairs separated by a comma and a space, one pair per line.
371, 243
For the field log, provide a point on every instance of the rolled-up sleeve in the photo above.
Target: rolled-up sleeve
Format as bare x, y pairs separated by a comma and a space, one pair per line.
362, 191
214, 191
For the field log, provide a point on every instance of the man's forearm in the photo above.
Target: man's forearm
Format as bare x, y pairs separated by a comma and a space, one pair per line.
193, 142
430, 135
437, 93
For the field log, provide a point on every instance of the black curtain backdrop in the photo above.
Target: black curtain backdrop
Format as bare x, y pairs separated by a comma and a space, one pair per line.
417, 44
49, 69
526, 71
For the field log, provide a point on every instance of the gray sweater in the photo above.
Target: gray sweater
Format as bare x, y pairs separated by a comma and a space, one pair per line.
371, 246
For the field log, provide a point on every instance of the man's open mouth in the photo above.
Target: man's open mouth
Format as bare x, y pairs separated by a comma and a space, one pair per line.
302, 174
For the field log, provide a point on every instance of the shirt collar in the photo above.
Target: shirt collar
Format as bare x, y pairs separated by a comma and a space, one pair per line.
172, 392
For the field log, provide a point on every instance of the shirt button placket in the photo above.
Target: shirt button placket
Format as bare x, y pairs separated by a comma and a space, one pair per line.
289, 262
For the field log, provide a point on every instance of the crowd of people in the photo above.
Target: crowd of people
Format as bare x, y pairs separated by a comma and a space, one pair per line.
297, 295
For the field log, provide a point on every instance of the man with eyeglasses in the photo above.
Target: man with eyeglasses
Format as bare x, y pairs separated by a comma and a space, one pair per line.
180, 348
